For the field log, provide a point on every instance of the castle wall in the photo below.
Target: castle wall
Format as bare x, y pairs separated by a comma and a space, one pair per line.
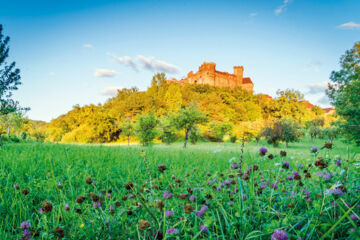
207, 74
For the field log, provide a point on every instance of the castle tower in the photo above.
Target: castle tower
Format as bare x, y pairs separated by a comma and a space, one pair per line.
239, 72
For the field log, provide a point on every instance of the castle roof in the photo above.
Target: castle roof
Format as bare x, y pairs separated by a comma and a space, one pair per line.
247, 80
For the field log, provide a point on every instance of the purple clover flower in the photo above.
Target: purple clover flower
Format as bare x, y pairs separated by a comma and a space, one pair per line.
327, 176
314, 149
263, 151
279, 235
263, 185
203, 228
25, 225
169, 213
336, 191
192, 198
26, 233
167, 195
338, 162
286, 164
234, 166
172, 231
354, 217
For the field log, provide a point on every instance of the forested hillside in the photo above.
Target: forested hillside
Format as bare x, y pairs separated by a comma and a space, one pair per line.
245, 111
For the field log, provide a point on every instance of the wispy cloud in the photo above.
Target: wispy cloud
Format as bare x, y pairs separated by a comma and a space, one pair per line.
110, 91
51, 74
104, 73
317, 88
350, 25
88, 45
254, 14
313, 66
282, 7
152, 64
126, 60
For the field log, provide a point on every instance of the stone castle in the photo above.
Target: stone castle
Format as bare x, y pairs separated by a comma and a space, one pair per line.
207, 74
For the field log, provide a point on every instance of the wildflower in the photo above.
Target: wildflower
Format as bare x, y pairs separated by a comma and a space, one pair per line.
263, 151
234, 166
47, 206
88, 180
117, 204
25, 191
172, 231
143, 224
255, 167
338, 162
296, 176
160, 204
227, 182
192, 198
328, 145
16, 186
67, 207
314, 149
354, 217
96, 205
327, 176
335, 191
274, 186
167, 195
82, 225
95, 197
283, 153
188, 208
263, 185
286, 165
129, 186
59, 232
111, 209
321, 163
203, 228
290, 177
271, 156
78, 211
26, 233
25, 225
279, 235
230, 203
162, 168
183, 196
80, 199
169, 213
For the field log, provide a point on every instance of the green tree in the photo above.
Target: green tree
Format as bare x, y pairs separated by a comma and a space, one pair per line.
219, 130
187, 118
195, 135
285, 130
146, 127
168, 129
314, 131
330, 133
344, 92
9, 77
127, 129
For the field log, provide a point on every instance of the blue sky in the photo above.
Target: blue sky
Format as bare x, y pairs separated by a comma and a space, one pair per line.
78, 52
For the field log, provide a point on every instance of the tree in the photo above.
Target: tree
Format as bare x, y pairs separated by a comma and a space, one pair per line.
187, 118
146, 128
330, 133
344, 92
285, 130
314, 131
127, 129
219, 130
9, 77
168, 129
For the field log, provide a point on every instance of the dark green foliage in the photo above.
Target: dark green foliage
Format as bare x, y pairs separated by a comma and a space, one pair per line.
146, 127
285, 130
9, 77
344, 92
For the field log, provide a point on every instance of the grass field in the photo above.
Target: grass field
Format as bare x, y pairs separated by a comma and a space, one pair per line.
174, 193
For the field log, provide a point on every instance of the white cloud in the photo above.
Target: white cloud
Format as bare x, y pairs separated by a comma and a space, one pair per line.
88, 45
282, 7
126, 60
350, 25
317, 88
110, 91
152, 64
104, 73
313, 66
51, 74
254, 14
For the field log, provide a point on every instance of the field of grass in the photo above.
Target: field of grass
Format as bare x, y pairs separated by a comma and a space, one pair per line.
50, 191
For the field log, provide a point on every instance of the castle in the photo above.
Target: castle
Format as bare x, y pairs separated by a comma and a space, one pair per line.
207, 74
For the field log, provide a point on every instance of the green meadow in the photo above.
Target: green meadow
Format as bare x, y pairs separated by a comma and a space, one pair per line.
159, 192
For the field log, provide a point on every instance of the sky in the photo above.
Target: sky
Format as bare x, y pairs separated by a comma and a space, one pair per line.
81, 51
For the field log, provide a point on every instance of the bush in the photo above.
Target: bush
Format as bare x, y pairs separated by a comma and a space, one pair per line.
146, 128
284, 130
233, 139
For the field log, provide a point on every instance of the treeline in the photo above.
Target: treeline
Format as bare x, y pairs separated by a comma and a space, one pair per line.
234, 111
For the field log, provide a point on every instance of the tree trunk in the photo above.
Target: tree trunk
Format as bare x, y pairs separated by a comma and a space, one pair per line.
287, 144
128, 140
187, 134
